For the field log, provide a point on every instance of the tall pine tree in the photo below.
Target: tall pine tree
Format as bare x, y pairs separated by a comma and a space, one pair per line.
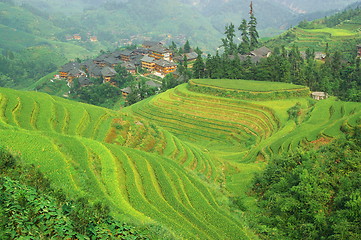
253, 34
244, 45
229, 46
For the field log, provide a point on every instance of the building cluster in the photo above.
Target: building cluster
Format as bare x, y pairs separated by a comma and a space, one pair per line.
152, 56
77, 37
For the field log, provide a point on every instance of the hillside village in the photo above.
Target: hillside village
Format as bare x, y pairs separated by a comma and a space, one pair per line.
151, 58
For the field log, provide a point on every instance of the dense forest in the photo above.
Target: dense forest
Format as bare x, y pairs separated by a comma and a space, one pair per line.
337, 74
22, 68
314, 193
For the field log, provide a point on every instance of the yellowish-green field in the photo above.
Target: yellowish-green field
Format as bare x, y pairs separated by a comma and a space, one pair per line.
248, 85
171, 160
335, 32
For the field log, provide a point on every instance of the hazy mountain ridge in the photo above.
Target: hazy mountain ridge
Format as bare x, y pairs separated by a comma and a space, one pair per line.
120, 22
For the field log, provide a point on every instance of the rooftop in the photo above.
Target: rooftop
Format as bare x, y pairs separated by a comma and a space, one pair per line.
108, 72
165, 63
147, 59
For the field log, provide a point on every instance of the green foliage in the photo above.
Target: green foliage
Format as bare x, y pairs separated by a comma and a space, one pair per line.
246, 89
104, 95
30, 208
252, 31
312, 194
187, 47
244, 46
294, 112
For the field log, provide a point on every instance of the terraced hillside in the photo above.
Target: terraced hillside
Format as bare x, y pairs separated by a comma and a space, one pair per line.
164, 161
90, 151
341, 31
245, 130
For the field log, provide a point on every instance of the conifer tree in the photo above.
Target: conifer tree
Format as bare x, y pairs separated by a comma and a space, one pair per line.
187, 47
228, 43
198, 68
244, 45
253, 34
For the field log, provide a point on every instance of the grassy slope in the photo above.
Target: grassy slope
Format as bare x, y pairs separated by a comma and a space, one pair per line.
346, 31
241, 134
72, 144
148, 166
21, 29
248, 85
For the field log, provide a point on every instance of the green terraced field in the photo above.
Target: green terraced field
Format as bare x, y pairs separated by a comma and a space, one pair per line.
247, 85
78, 147
164, 161
244, 133
345, 35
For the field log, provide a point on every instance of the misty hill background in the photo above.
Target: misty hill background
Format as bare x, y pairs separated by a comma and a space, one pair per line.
120, 22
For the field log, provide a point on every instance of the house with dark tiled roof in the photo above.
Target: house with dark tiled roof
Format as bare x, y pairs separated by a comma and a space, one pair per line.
108, 73
84, 81
191, 57
153, 84
130, 67
125, 55
112, 61
126, 91
160, 52
140, 51
263, 52
164, 67
137, 60
71, 70
94, 71
149, 44
100, 60
148, 62
254, 56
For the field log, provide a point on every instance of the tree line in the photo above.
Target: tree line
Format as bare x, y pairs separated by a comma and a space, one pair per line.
248, 32
312, 194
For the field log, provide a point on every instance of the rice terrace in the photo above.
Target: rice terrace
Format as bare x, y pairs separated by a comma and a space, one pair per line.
173, 159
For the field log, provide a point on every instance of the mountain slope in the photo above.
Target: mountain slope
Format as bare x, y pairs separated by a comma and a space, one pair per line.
341, 32
71, 144
201, 21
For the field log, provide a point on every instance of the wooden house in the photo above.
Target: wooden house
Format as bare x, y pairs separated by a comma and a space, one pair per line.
148, 63
93, 39
159, 52
100, 61
126, 91
164, 67
191, 57
149, 44
77, 37
112, 61
75, 73
125, 55
130, 67
84, 82
154, 85
67, 68
108, 74
262, 52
